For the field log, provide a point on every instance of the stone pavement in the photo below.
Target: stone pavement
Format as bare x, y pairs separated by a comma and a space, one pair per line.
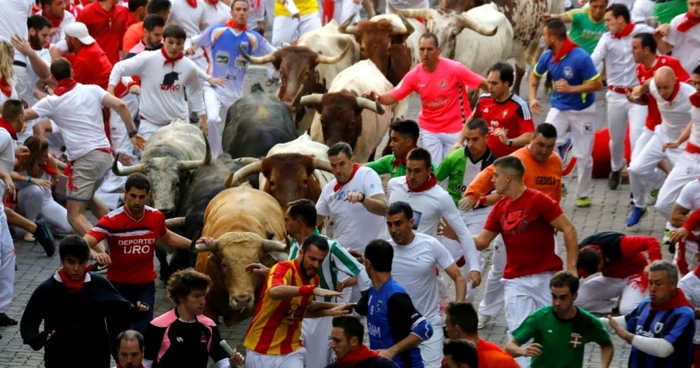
608, 212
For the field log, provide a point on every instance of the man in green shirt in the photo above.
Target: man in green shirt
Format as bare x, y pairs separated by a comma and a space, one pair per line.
403, 137
560, 331
665, 11
587, 25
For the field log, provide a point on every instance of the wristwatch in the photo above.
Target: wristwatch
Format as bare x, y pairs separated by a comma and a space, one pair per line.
510, 142
133, 133
363, 198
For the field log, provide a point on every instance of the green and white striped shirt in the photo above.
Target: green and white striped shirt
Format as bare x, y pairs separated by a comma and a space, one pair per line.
337, 261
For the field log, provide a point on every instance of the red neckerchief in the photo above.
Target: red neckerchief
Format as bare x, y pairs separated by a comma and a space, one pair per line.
213, 3
697, 272
168, 59
398, 161
625, 31
5, 87
328, 11
64, 86
193, 3
55, 22
565, 49
7, 126
73, 287
354, 357
339, 185
688, 22
581, 271
676, 301
695, 99
676, 88
431, 182
231, 24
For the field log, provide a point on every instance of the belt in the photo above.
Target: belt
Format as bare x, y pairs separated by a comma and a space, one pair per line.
19, 63
621, 90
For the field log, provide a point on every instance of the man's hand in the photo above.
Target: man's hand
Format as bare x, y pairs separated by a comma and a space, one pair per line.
671, 145
21, 45
372, 95
41, 183
502, 135
354, 197
125, 160
135, 89
446, 230
638, 91
102, 258
360, 258
339, 310
679, 235
386, 353
324, 292
142, 307
621, 332
22, 151
456, 146
257, 269
535, 106
562, 86
138, 141
10, 188
206, 240
236, 359
467, 204
216, 82
662, 30
545, 16
475, 278
190, 50
532, 350
573, 271
203, 125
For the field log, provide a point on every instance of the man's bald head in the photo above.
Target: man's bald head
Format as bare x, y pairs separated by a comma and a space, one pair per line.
665, 80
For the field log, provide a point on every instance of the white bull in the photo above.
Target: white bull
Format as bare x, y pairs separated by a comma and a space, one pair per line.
306, 146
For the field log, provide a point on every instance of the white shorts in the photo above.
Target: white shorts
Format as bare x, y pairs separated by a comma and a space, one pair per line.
291, 360
315, 333
431, 349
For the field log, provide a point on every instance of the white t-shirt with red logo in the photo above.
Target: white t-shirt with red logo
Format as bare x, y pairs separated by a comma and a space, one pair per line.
131, 244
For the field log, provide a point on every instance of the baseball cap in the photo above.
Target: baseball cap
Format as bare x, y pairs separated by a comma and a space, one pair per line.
79, 30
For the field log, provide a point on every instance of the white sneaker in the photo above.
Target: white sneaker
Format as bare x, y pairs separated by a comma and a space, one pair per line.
483, 321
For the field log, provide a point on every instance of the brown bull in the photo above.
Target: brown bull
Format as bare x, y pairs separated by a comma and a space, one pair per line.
241, 220
289, 176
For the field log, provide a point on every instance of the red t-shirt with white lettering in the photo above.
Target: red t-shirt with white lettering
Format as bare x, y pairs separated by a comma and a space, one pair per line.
131, 244
527, 233
512, 115
644, 74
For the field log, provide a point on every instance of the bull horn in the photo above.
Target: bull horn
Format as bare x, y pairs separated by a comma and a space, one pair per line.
322, 165
368, 104
175, 222
273, 246
465, 22
193, 164
239, 176
346, 27
247, 160
323, 59
312, 99
409, 27
128, 170
269, 58
411, 13
297, 99
202, 247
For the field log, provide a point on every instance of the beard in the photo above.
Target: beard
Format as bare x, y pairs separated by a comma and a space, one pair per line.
35, 42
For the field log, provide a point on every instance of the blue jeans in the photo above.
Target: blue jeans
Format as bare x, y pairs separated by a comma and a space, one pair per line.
144, 293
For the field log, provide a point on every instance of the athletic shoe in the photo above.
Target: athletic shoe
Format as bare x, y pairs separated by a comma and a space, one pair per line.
636, 216
5, 320
568, 163
666, 240
99, 269
44, 237
29, 237
483, 321
615, 179
583, 202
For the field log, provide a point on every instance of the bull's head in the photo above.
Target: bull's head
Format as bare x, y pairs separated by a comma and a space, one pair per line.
446, 25
164, 176
232, 252
376, 37
289, 176
297, 67
341, 115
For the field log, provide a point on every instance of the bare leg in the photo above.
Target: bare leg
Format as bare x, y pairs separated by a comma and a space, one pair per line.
14, 218
76, 217
98, 207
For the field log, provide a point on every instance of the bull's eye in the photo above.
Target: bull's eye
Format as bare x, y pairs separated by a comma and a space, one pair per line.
272, 183
305, 182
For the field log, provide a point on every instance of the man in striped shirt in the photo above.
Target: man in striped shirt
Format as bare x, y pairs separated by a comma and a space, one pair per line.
300, 221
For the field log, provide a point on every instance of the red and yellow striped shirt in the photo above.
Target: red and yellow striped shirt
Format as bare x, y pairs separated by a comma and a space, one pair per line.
276, 325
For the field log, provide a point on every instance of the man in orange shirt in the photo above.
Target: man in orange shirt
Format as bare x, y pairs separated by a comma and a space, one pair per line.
137, 11
460, 322
273, 338
134, 34
543, 172
106, 21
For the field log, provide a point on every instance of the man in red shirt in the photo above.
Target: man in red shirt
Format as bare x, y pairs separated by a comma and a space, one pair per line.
90, 63
461, 322
508, 115
527, 220
131, 232
107, 22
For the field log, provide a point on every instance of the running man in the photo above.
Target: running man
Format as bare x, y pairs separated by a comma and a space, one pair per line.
587, 25
403, 138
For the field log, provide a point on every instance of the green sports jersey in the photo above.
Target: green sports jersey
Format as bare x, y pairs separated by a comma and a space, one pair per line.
665, 12
384, 166
562, 341
584, 30
461, 174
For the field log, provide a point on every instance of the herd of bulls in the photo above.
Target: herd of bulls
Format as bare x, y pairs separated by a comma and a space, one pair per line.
265, 139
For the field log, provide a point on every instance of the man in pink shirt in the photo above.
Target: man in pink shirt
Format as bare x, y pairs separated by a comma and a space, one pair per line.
442, 86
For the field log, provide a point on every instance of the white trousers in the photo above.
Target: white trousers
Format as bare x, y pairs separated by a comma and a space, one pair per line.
643, 172
494, 300
316, 334
620, 112
438, 144
345, 9
214, 107
595, 294
524, 295
288, 29
641, 142
291, 360
117, 130
581, 124
638, 122
685, 170
431, 349
7, 265
146, 128
34, 201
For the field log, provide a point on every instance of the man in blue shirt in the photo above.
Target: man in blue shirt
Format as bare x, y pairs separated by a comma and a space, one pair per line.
662, 327
575, 82
395, 327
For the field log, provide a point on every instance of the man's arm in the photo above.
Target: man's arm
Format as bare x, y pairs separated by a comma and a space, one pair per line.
120, 107
38, 65
174, 240
515, 350
31, 320
453, 217
327, 310
196, 97
459, 280
678, 215
128, 67
479, 187
563, 224
606, 355
484, 238
401, 313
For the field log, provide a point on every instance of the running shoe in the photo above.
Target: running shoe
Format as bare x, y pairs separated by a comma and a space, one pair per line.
568, 162
637, 214
583, 202
5, 320
666, 240
98, 268
45, 238
483, 321
615, 179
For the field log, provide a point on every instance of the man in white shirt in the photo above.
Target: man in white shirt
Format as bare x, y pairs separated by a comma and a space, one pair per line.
13, 21
615, 49
673, 100
682, 36
355, 201
430, 203
55, 11
415, 257
688, 202
87, 147
165, 75
191, 16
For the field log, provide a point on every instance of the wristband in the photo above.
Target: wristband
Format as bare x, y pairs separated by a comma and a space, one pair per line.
306, 290
482, 201
133, 133
29, 179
